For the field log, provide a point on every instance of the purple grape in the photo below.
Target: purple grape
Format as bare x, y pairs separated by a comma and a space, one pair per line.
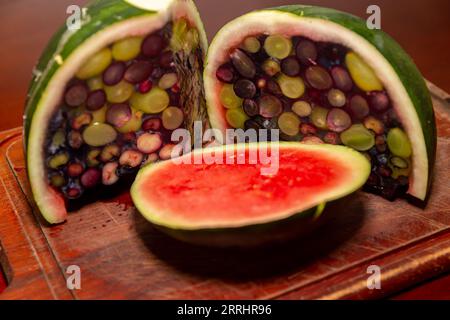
273, 87
243, 64
76, 95
114, 73
358, 107
118, 115
153, 45
318, 78
306, 52
342, 79
96, 100
225, 74
250, 107
245, 89
338, 120
290, 67
270, 106
138, 72
379, 101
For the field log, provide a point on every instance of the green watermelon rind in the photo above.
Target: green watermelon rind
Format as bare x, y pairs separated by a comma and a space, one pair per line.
247, 232
101, 15
300, 224
401, 63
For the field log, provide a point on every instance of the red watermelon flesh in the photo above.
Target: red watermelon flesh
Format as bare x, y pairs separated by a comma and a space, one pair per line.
211, 196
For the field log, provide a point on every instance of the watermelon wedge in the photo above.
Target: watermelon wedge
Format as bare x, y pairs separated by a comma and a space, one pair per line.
321, 76
229, 203
105, 98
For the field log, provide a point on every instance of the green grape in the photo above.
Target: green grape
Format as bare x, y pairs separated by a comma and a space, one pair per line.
358, 137
292, 87
127, 49
236, 118
99, 134
289, 123
153, 102
278, 47
119, 93
228, 97
399, 144
95, 65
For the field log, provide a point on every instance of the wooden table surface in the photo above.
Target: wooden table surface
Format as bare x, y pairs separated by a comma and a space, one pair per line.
422, 29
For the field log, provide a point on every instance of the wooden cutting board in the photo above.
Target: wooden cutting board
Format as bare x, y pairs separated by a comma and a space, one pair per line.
122, 256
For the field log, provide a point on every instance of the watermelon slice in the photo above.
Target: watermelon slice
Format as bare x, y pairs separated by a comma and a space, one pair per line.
321, 76
98, 104
229, 203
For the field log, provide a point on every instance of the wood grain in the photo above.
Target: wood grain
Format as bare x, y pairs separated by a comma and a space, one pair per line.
3, 282
123, 257
28, 261
435, 289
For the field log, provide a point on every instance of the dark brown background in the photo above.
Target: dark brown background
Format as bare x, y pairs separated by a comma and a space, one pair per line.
421, 27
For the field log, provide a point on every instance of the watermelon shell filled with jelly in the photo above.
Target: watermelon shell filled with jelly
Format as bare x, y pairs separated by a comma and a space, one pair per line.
105, 98
321, 76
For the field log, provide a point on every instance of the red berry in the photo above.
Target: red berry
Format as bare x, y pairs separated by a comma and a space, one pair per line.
145, 86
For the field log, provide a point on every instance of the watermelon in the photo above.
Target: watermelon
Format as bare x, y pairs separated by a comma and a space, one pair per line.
220, 201
321, 76
98, 103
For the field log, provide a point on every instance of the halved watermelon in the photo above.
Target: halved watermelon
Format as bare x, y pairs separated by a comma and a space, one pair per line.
321, 76
223, 201
98, 103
